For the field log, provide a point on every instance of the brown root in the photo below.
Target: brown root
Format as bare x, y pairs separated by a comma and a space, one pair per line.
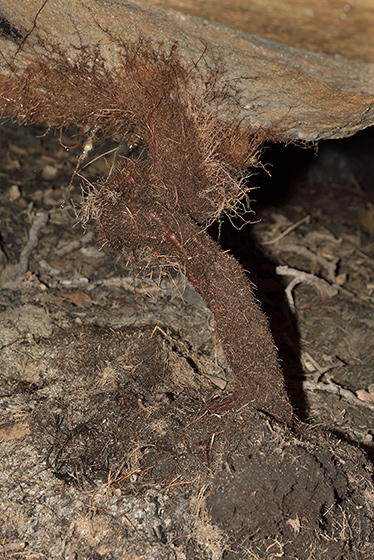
126, 217
151, 96
198, 154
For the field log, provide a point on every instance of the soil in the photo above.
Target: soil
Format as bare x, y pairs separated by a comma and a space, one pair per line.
119, 437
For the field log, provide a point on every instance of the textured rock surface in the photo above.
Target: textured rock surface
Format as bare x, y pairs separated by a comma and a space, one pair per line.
334, 27
309, 94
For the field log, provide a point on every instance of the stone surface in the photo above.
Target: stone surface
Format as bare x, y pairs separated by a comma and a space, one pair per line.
308, 94
334, 27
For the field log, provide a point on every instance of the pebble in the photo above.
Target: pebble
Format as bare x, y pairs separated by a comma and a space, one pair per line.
14, 193
49, 172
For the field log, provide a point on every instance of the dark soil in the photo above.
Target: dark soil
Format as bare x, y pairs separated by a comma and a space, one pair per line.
119, 435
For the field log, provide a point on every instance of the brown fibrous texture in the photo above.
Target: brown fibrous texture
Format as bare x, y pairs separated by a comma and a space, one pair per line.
198, 156
126, 218
181, 112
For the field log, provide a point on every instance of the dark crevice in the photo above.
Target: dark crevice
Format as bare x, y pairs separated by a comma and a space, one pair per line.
9, 31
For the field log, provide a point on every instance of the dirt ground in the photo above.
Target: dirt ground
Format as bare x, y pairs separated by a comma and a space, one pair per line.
118, 435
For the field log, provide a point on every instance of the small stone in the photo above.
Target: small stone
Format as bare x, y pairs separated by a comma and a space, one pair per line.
49, 172
14, 193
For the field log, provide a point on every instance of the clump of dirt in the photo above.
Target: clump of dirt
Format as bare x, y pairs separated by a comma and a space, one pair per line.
124, 398
299, 497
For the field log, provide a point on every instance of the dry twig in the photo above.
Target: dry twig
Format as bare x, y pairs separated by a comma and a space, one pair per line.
328, 265
335, 389
37, 226
306, 220
299, 276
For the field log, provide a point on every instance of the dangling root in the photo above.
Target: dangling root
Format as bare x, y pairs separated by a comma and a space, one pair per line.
198, 156
125, 217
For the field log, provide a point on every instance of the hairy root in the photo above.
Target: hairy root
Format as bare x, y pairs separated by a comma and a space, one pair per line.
197, 157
